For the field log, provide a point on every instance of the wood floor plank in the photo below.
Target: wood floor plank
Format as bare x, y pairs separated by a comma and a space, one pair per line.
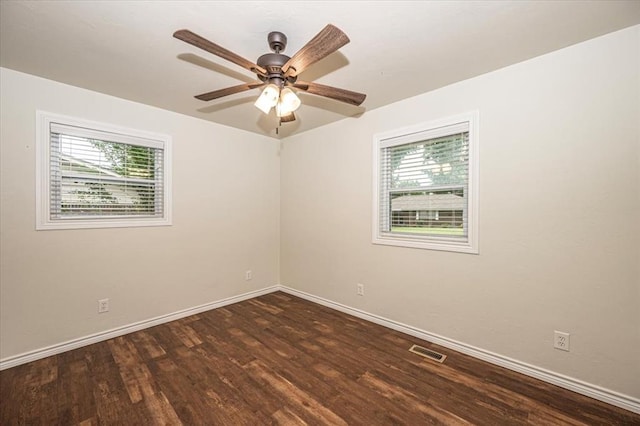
286, 417
147, 345
353, 395
294, 397
76, 405
278, 359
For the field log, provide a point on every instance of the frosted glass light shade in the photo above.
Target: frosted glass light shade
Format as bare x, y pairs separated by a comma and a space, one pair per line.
268, 98
289, 102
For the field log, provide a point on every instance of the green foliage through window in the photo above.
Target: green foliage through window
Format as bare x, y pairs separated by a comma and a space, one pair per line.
104, 178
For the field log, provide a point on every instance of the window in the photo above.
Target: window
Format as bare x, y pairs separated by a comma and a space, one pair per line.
425, 185
93, 175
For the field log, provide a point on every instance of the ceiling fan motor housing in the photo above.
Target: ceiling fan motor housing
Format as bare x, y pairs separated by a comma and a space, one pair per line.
273, 62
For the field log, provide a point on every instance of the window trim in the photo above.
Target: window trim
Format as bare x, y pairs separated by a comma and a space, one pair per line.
415, 133
44, 120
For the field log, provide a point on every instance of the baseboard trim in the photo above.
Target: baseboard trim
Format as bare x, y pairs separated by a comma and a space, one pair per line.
596, 392
126, 329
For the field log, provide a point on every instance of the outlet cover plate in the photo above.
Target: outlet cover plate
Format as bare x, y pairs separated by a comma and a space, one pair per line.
561, 340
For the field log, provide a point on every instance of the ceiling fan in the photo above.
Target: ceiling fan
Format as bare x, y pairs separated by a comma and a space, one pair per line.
278, 73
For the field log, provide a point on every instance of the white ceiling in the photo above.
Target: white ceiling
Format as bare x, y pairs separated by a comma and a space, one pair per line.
398, 49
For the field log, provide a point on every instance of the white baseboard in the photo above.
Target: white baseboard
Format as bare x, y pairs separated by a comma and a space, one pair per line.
602, 394
126, 329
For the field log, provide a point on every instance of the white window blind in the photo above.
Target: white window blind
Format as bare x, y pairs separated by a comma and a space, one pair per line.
425, 179
424, 188
93, 177
97, 176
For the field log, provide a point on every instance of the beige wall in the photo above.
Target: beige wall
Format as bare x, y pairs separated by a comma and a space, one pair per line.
559, 216
225, 220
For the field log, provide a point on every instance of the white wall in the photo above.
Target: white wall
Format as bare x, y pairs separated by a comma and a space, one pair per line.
559, 216
225, 220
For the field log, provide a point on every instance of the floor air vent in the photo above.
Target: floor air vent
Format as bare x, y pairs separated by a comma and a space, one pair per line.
427, 353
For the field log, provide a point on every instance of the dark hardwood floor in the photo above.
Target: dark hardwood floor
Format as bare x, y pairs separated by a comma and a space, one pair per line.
278, 359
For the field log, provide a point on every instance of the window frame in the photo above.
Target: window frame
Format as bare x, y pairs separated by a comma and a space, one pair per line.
44, 221
421, 132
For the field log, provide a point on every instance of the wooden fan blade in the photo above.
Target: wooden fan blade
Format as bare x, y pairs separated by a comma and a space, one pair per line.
204, 44
229, 91
342, 95
288, 118
323, 44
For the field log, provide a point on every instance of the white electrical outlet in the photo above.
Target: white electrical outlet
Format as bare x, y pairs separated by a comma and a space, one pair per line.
103, 306
360, 289
561, 340
248, 275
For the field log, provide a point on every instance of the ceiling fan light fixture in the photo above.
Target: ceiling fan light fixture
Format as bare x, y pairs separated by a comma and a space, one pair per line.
289, 102
268, 98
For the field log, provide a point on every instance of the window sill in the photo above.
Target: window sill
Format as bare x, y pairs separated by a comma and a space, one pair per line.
440, 244
101, 223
